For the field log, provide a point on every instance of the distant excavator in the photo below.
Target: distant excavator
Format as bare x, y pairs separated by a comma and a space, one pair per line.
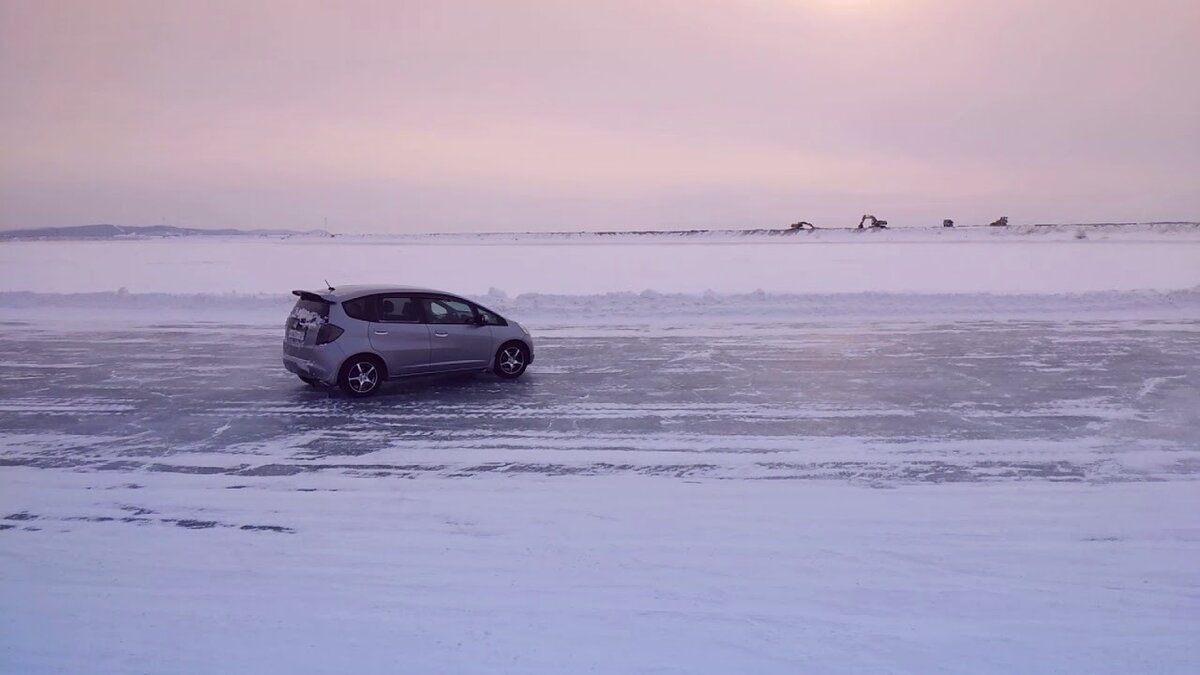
875, 223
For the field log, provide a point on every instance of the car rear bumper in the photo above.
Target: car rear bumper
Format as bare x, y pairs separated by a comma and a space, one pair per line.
311, 365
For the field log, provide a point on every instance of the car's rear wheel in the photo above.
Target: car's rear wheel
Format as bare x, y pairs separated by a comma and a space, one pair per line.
511, 360
361, 376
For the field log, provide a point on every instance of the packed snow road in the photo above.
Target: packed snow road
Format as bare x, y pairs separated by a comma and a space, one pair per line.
881, 403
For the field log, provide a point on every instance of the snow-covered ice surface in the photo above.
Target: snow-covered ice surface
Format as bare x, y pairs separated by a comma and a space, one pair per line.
995, 260
685, 481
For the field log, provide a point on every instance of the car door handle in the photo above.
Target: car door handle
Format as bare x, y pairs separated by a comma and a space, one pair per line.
381, 332
438, 333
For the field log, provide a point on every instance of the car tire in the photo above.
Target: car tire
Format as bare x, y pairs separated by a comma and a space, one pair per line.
511, 360
361, 376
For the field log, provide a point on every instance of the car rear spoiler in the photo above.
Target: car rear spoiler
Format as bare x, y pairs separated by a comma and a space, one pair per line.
309, 295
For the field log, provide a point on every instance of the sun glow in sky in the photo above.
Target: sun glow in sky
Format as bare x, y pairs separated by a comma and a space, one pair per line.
852, 5
477, 115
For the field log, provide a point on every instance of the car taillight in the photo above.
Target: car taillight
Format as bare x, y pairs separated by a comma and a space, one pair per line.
328, 333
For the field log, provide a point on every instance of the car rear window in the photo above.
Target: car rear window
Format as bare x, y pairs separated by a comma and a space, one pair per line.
310, 311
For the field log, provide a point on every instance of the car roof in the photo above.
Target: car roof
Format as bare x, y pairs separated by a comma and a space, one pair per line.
352, 291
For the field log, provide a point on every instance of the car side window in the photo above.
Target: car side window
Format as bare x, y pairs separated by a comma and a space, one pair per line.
397, 309
358, 308
445, 310
489, 318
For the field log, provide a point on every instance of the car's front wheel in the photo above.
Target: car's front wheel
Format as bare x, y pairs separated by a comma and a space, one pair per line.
361, 376
511, 360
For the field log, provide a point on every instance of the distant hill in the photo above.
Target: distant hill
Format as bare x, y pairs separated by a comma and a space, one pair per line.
107, 231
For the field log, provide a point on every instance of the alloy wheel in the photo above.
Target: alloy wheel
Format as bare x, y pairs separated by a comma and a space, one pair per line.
363, 377
512, 360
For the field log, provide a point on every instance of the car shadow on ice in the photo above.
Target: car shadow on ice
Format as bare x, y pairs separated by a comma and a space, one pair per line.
469, 385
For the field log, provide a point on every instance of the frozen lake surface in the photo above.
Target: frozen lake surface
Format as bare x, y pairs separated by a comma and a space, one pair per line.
871, 402
758, 455
973, 495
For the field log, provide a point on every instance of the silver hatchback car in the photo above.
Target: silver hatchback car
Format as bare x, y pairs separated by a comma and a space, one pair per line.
359, 336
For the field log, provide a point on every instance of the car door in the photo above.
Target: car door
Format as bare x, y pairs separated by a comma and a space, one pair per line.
399, 334
458, 341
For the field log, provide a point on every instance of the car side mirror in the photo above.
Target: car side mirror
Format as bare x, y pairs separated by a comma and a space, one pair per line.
479, 320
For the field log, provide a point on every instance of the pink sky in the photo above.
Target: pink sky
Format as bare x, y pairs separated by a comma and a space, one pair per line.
441, 116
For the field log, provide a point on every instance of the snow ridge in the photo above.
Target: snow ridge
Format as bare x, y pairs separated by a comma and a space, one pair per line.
649, 305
